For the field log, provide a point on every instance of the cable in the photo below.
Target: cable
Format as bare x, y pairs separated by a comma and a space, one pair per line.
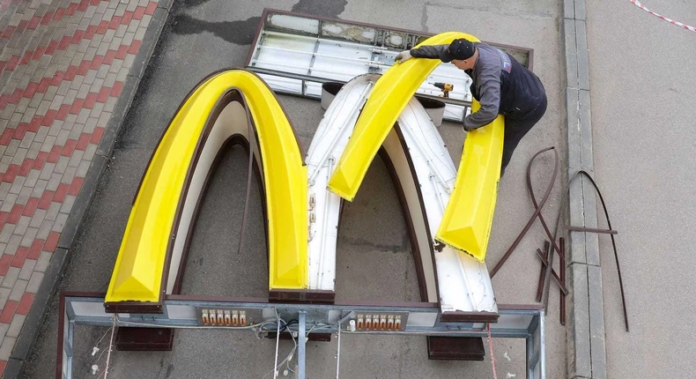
284, 328
111, 344
490, 347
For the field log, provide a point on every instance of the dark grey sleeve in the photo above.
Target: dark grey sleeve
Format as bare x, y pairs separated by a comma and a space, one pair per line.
430, 52
488, 83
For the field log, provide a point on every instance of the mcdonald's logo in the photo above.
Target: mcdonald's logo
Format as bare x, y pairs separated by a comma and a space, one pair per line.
302, 202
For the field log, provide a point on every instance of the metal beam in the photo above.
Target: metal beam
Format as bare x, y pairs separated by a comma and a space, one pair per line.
423, 319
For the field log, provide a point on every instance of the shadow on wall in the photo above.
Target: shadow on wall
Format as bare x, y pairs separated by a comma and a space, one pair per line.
242, 32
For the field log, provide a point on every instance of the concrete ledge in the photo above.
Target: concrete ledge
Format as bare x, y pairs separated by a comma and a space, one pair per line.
596, 304
51, 282
571, 54
586, 350
579, 9
579, 359
583, 59
569, 9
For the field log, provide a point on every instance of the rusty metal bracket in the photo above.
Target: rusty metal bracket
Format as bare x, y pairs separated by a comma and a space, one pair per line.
554, 275
590, 230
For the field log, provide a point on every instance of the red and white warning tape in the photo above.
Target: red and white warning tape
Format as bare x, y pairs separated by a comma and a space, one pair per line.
641, 6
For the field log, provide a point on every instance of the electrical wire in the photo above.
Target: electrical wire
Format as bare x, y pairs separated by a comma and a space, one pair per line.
490, 347
111, 344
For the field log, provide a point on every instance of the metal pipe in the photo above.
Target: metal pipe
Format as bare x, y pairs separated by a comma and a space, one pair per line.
301, 351
275, 366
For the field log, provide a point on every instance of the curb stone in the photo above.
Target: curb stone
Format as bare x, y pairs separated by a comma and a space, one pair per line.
586, 349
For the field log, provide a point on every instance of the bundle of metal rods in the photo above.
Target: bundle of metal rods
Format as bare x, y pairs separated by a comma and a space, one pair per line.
547, 272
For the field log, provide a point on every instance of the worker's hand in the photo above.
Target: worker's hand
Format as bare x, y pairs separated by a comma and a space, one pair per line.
403, 56
467, 128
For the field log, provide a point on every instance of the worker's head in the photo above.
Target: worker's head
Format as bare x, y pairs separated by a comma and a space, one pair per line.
462, 53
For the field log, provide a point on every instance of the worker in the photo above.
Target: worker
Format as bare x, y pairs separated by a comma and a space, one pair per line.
500, 83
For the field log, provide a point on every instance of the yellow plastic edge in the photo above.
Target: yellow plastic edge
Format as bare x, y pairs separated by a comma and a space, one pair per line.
137, 274
466, 224
387, 100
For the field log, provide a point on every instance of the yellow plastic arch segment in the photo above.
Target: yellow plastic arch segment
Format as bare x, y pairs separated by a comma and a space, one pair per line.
139, 268
468, 218
388, 99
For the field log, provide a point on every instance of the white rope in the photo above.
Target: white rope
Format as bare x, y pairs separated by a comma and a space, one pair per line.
490, 346
111, 344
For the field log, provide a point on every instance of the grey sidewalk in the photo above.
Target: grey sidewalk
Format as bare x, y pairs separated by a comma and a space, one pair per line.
642, 78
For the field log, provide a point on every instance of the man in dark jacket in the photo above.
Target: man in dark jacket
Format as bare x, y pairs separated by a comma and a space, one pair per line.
500, 83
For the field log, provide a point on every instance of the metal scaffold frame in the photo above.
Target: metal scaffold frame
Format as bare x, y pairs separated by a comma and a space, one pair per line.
514, 321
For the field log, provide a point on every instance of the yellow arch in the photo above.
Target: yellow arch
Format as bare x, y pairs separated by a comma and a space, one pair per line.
469, 213
139, 273
468, 218
387, 100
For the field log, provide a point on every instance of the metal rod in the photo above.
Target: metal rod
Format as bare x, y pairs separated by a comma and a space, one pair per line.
554, 275
275, 366
301, 351
563, 280
591, 230
540, 285
338, 353
530, 356
613, 244
537, 211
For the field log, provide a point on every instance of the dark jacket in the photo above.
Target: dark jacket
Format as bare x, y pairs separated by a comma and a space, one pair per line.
500, 83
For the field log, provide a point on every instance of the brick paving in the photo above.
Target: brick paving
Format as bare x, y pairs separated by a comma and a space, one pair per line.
63, 64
